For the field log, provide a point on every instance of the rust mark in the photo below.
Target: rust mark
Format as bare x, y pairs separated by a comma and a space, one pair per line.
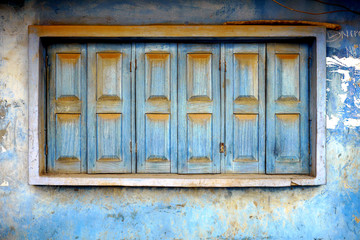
181, 205
69, 56
3, 112
109, 55
3, 108
158, 117
157, 159
294, 184
109, 116
158, 56
64, 160
118, 216
3, 131
357, 220
199, 160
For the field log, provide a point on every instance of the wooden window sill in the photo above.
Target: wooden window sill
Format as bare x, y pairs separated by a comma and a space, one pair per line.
177, 180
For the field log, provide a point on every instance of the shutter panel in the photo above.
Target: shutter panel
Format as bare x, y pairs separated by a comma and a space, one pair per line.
156, 108
67, 109
287, 147
109, 108
199, 108
245, 108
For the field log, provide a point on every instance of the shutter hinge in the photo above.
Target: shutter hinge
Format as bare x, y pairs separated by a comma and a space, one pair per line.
130, 67
46, 150
220, 65
135, 147
135, 64
225, 66
130, 144
222, 148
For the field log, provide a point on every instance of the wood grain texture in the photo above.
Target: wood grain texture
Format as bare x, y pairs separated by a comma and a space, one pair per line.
66, 111
287, 123
199, 85
156, 107
109, 108
199, 108
177, 31
245, 108
287, 77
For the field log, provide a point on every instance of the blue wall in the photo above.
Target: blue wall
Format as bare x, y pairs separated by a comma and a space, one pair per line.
331, 211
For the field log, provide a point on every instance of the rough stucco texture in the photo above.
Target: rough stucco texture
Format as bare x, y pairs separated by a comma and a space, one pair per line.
331, 211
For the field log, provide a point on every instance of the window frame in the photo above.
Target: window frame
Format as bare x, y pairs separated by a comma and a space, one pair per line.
37, 103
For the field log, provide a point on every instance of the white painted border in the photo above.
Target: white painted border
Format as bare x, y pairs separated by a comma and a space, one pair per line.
37, 175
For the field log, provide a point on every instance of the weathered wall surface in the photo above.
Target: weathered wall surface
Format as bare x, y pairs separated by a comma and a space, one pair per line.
326, 212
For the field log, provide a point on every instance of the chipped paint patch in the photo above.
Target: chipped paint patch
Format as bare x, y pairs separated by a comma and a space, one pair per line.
351, 122
343, 62
4, 184
332, 122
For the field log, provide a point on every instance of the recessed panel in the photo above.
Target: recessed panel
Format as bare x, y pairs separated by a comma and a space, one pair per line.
68, 75
199, 138
246, 77
108, 76
157, 79
246, 127
287, 145
157, 137
199, 77
287, 77
108, 137
68, 138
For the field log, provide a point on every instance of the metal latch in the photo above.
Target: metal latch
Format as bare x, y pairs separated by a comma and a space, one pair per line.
222, 148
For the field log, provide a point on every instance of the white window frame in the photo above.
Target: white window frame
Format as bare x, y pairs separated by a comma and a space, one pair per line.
37, 104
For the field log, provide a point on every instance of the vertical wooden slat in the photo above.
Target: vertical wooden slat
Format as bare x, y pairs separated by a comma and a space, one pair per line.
109, 104
67, 109
156, 107
199, 108
132, 143
287, 124
245, 108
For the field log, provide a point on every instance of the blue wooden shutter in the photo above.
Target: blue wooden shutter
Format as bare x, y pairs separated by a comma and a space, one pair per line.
287, 123
245, 108
156, 106
109, 108
199, 108
67, 109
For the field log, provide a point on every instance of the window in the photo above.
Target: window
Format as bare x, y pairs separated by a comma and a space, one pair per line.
180, 112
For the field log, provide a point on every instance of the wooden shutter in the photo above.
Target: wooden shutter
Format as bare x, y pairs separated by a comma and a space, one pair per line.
287, 123
109, 104
245, 108
199, 108
156, 107
67, 109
